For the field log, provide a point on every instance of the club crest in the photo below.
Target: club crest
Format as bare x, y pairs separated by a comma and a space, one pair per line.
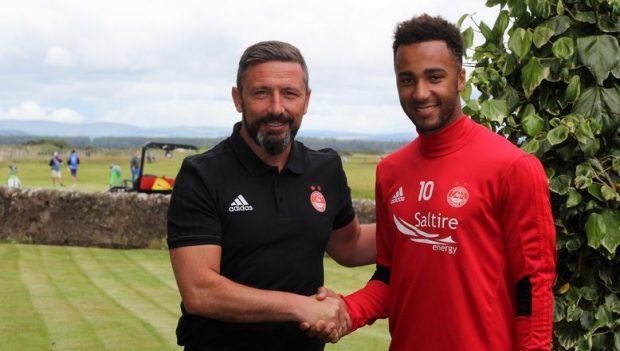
317, 199
458, 196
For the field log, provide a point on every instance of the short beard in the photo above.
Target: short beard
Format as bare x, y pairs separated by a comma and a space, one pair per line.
269, 142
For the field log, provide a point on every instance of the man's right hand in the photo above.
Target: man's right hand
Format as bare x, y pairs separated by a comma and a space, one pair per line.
329, 331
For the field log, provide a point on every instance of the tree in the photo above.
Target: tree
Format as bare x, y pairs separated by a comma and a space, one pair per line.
548, 74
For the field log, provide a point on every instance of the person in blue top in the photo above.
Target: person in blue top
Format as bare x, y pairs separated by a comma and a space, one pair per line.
134, 165
74, 164
55, 163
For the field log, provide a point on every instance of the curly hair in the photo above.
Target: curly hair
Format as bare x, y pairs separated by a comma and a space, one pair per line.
427, 28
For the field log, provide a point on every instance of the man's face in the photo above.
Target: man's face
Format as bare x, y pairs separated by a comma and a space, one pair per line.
272, 100
429, 82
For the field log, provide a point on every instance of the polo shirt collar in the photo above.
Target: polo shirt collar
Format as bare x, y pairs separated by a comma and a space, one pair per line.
254, 165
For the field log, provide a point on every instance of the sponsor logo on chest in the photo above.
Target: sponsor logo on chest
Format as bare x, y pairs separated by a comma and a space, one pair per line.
428, 227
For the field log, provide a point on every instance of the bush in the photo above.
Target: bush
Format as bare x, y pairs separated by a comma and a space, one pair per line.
548, 74
55, 143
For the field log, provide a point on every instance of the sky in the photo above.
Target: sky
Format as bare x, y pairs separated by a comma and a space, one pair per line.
160, 63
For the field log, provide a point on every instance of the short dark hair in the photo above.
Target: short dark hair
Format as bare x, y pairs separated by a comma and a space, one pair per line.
266, 51
427, 28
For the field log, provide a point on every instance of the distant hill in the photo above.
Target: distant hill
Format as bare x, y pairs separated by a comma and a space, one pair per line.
11, 132
322, 134
95, 130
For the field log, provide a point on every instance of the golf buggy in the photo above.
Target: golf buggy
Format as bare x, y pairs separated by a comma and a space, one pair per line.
161, 158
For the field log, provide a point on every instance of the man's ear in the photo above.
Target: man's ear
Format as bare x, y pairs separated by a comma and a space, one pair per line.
461, 80
236, 96
307, 101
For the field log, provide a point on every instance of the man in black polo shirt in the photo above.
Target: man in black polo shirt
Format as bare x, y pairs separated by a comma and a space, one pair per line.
250, 220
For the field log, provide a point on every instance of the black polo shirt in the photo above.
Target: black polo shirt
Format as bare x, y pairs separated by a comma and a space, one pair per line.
273, 228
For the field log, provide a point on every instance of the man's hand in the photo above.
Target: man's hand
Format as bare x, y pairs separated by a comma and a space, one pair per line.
325, 330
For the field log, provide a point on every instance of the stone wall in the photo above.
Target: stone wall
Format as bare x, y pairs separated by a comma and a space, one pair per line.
117, 220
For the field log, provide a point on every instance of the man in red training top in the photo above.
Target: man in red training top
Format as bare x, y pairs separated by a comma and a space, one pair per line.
465, 236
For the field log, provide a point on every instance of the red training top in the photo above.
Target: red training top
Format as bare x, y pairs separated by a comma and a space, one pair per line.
465, 245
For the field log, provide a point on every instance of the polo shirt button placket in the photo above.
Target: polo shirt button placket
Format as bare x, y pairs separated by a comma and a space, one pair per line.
280, 200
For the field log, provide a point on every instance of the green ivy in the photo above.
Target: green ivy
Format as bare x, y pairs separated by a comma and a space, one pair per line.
547, 77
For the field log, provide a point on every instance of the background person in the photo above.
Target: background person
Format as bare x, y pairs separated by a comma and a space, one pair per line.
465, 236
73, 163
115, 175
13, 180
250, 220
134, 165
55, 163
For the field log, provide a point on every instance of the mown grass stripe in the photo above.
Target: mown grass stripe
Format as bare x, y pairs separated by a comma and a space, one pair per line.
79, 256
67, 328
140, 282
157, 263
75, 289
152, 314
20, 322
111, 323
164, 281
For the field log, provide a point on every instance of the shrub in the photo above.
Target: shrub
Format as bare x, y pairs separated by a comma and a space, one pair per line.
548, 74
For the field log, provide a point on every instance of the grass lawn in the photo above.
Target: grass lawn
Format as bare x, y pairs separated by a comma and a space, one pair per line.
360, 170
93, 174
70, 298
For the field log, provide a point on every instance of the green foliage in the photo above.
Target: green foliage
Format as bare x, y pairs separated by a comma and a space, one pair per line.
549, 81
54, 143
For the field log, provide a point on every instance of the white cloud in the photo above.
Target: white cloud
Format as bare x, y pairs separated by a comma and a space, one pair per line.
173, 62
30, 110
57, 56
175, 113
25, 111
65, 115
362, 118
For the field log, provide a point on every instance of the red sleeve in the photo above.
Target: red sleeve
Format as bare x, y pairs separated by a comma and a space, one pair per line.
371, 302
530, 238
368, 304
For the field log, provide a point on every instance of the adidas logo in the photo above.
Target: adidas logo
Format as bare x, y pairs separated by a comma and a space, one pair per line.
240, 204
398, 196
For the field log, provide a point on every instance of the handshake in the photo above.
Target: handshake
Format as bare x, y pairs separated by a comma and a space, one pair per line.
325, 317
